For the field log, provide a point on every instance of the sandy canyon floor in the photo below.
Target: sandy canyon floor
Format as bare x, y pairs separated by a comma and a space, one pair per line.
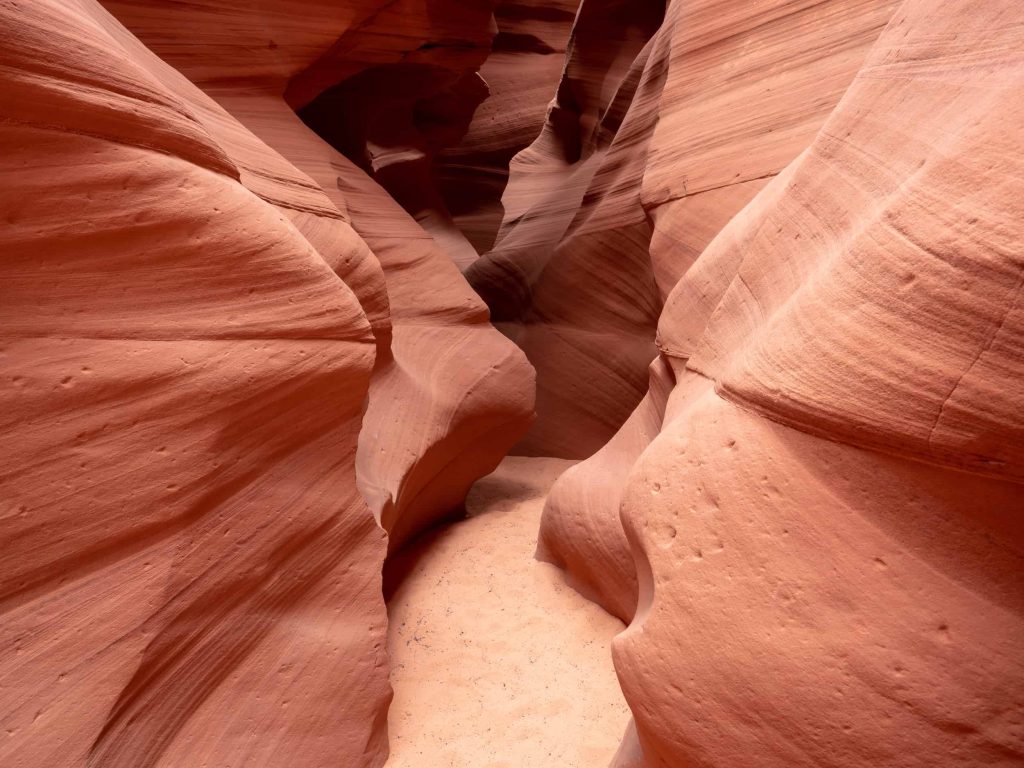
496, 663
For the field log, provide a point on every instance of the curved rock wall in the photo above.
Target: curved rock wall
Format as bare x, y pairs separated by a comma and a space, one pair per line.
449, 395
189, 573
821, 492
240, 365
715, 129
206, 310
437, 126
667, 121
521, 71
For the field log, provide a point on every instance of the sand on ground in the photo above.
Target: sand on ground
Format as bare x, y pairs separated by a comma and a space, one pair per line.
495, 662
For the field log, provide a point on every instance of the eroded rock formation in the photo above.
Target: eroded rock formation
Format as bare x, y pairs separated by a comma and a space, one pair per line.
192, 311
765, 257
449, 395
184, 375
821, 490
521, 72
712, 127
667, 121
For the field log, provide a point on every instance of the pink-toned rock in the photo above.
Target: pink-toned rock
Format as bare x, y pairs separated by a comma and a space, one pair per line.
827, 530
804, 602
438, 125
703, 134
580, 530
521, 73
190, 320
189, 575
648, 151
456, 395
449, 395
233, 353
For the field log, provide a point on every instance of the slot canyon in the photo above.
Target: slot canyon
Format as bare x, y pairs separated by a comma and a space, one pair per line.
512, 384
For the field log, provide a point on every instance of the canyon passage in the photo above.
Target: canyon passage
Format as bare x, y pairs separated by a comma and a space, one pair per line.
512, 384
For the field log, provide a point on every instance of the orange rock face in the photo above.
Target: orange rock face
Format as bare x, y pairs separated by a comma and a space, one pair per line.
192, 314
821, 490
183, 384
664, 126
703, 132
521, 72
765, 258
449, 395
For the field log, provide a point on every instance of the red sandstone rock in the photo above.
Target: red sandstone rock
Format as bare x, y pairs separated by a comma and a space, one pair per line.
521, 73
826, 529
188, 373
189, 575
449, 395
649, 150
216, 327
701, 109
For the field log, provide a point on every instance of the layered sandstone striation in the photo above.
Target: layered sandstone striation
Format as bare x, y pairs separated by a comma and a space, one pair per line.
438, 126
724, 102
764, 256
666, 122
189, 573
200, 297
521, 72
449, 395
821, 491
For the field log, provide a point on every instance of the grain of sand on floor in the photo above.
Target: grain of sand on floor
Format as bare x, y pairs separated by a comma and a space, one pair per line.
495, 662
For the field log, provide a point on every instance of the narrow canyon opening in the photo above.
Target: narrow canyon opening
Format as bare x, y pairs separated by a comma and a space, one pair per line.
494, 659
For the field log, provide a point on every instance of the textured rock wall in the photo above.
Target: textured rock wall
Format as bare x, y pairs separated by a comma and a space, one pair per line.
521, 72
214, 329
666, 123
449, 395
724, 104
547, 285
765, 257
188, 573
821, 491
438, 126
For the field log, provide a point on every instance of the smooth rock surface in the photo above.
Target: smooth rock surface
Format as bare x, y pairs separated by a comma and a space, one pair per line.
190, 325
521, 74
189, 575
825, 524
668, 120
765, 256
449, 394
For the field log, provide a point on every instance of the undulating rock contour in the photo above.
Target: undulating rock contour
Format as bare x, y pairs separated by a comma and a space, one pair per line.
759, 264
821, 492
191, 321
190, 575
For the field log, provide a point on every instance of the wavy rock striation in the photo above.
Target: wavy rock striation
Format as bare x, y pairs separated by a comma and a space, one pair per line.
821, 490
199, 296
189, 574
438, 126
710, 130
449, 396
521, 71
667, 121
765, 256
